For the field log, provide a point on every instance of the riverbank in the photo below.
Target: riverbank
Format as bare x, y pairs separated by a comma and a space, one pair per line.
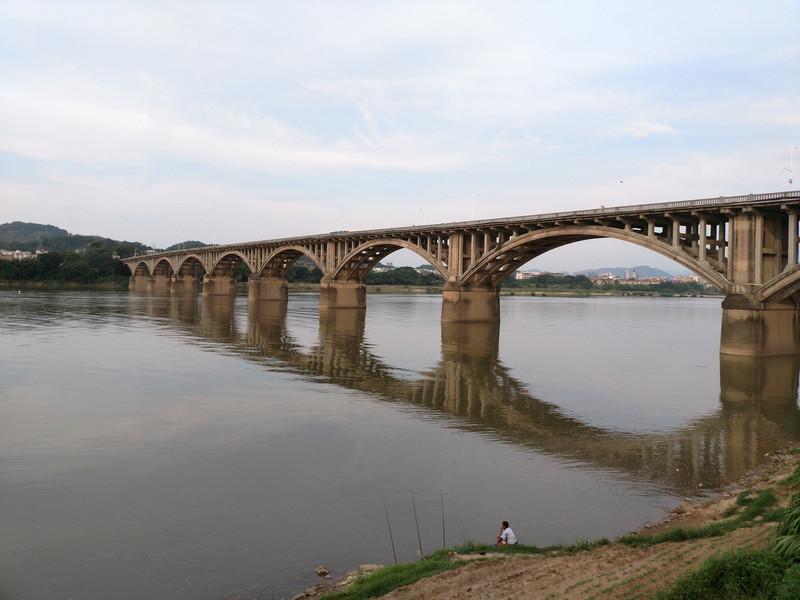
116, 285
119, 285
742, 517
516, 291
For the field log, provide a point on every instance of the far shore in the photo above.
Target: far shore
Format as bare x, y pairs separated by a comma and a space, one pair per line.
371, 289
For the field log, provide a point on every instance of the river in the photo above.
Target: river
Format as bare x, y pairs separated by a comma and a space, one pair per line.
156, 447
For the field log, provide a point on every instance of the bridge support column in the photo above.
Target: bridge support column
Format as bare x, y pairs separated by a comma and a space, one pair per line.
140, 283
767, 329
467, 305
267, 288
342, 294
161, 284
184, 285
218, 285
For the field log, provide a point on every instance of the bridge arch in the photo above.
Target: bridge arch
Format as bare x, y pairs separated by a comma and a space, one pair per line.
191, 265
784, 286
362, 259
163, 268
492, 269
280, 262
226, 263
141, 269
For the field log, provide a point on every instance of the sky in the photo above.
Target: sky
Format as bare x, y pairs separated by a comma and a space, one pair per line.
236, 121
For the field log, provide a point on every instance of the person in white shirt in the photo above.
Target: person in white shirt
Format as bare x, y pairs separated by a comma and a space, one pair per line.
506, 536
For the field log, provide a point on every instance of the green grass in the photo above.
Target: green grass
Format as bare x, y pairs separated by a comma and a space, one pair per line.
751, 575
579, 546
793, 480
790, 587
761, 505
387, 579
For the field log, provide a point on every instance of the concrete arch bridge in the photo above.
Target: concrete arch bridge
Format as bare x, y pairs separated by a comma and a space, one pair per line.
746, 246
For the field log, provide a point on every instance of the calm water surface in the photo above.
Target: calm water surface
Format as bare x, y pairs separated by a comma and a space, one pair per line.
156, 447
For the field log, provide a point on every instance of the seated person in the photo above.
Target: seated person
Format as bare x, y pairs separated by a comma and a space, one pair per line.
506, 536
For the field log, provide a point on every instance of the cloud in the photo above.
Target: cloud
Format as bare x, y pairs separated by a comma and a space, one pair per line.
644, 129
49, 124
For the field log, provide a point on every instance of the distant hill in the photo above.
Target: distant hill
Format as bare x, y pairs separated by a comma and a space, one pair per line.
642, 272
186, 244
23, 233
35, 236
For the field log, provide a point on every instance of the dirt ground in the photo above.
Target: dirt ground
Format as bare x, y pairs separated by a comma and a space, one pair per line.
613, 571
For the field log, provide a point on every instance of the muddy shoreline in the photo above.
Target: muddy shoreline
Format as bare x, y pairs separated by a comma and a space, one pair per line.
467, 580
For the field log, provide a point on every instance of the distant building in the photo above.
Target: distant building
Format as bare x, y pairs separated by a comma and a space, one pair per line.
526, 274
630, 274
10, 255
383, 268
687, 279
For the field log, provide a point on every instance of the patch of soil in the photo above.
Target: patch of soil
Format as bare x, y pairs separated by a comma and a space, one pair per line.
616, 570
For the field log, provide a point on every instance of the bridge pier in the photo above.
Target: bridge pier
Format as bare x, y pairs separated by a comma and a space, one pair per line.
184, 285
267, 288
140, 283
218, 285
753, 329
470, 305
161, 284
342, 294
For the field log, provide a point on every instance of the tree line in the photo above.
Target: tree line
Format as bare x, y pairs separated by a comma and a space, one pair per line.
95, 264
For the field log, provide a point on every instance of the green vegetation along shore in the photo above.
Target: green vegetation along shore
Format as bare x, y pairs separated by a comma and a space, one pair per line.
740, 545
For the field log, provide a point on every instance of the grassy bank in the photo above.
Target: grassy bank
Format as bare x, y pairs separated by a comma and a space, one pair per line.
753, 573
770, 573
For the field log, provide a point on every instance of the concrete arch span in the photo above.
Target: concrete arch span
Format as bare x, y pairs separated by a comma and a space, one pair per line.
280, 262
363, 258
490, 271
225, 264
785, 287
141, 269
191, 265
163, 268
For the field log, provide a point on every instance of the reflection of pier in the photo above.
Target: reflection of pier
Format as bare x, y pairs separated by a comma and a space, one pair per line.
471, 388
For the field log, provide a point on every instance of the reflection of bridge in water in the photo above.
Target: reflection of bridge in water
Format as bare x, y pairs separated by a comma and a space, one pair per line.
474, 391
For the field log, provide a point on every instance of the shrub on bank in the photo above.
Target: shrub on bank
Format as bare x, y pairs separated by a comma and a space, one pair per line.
740, 575
756, 574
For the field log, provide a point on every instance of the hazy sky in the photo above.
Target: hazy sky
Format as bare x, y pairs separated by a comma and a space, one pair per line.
236, 121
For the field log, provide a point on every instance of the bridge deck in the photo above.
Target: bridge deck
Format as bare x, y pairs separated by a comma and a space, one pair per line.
720, 202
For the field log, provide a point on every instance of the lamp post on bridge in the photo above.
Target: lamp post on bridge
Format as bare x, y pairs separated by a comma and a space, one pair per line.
790, 170
625, 190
